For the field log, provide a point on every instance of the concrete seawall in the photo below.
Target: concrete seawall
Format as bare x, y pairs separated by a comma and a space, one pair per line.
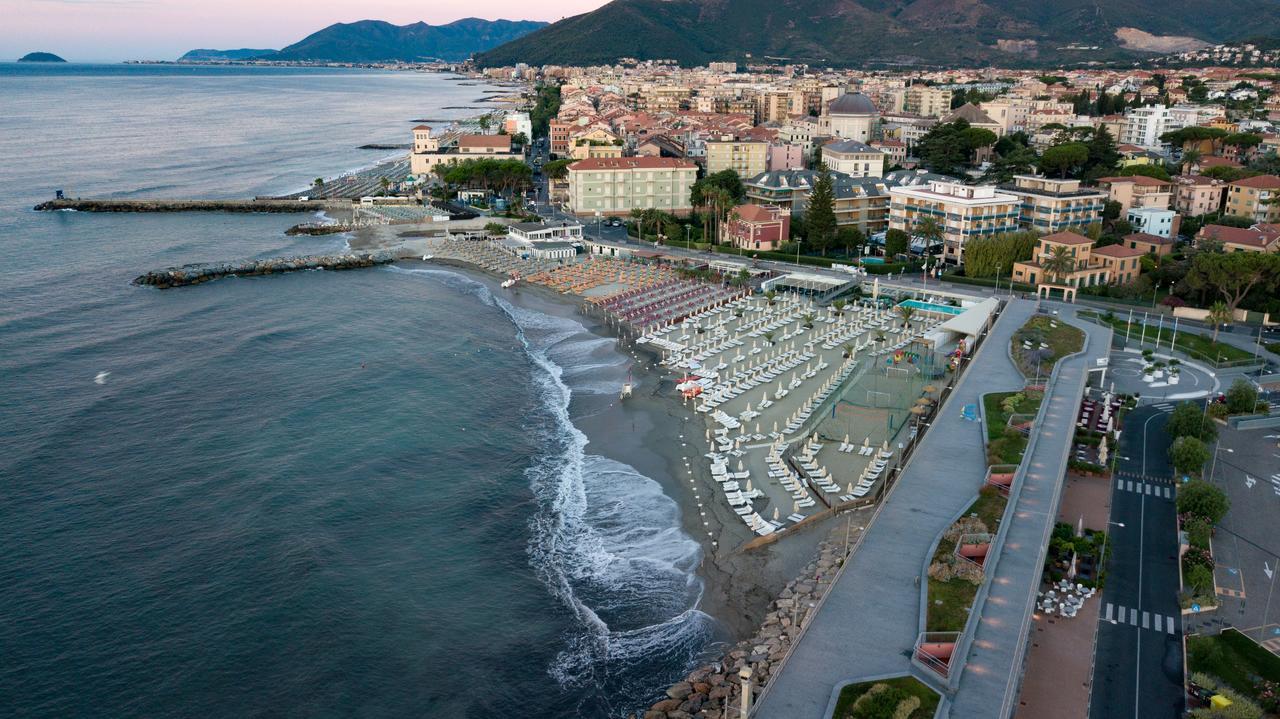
250, 205
198, 273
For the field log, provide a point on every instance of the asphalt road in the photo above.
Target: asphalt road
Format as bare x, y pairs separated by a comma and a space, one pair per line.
1246, 543
1138, 657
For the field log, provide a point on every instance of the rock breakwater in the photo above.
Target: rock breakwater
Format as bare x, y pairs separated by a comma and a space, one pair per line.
251, 205
714, 691
197, 273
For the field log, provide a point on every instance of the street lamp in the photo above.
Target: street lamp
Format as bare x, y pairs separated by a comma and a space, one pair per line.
1105, 538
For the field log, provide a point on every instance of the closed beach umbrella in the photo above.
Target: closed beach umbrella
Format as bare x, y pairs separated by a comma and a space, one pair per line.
849, 489
795, 507
775, 514
749, 485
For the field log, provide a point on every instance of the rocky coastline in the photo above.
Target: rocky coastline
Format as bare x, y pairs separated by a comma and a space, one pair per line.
199, 273
714, 690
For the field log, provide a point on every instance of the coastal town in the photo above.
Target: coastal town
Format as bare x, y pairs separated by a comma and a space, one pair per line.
986, 361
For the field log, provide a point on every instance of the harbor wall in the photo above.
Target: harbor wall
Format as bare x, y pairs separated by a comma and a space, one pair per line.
199, 273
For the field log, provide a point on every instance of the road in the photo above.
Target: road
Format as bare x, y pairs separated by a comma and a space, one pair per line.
1138, 657
1246, 545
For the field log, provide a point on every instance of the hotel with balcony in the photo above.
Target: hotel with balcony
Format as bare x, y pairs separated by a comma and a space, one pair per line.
1092, 266
614, 186
963, 211
1049, 205
861, 202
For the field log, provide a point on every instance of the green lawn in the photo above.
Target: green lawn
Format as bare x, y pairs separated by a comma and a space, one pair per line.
956, 595
1272, 347
1233, 658
908, 686
1190, 343
1004, 444
1063, 339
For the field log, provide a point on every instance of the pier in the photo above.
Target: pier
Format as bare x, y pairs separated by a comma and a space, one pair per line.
243, 205
195, 274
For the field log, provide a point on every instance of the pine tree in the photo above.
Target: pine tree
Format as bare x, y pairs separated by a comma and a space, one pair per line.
820, 216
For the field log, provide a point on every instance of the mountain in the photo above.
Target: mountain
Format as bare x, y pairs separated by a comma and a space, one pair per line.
886, 32
378, 41
207, 55
40, 57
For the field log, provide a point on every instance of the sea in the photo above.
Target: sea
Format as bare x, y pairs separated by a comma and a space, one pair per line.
364, 493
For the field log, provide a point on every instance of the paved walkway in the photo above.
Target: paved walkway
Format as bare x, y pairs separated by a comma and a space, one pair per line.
867, 624
992, 670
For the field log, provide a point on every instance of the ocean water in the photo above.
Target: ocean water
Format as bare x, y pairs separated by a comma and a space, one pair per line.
319, 494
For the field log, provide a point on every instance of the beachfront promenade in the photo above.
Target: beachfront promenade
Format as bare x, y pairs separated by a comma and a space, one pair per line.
990, 678
867, 625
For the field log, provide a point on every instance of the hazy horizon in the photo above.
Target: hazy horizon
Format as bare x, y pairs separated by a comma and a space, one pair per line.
116, 30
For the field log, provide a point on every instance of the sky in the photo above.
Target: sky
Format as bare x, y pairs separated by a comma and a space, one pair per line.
115, 30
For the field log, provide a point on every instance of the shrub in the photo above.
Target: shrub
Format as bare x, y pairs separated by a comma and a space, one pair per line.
1198, 532
1197, 558
1199, 579
1187, 420
1241, 397
1218, 411
1188, 455
1203, 500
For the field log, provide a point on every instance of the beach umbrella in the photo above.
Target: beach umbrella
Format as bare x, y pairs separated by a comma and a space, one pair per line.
749, 485
866, 442
846, 439
739, 465
795, 507
922, 401
775, 426
849, 489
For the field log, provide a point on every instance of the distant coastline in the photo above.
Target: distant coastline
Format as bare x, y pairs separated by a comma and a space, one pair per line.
40, 57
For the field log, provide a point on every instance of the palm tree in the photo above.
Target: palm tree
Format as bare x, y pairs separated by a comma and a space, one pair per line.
906, 312
881, 337
637, 214
839, 306
1219, 315
770, 295
847, 349
1059, 263
768, 337
1189, 158
808, 320
930, 231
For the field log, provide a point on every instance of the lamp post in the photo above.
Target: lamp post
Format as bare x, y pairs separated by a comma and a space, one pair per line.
1106, 538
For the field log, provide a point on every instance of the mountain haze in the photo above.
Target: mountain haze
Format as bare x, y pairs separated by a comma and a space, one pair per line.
378, 41
855, 32
208, 55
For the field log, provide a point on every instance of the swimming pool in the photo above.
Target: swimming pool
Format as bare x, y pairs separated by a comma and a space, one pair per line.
871, 261
931, 307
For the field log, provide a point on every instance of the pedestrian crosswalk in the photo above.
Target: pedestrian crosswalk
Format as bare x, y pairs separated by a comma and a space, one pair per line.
1119, 614
1160, 491
1164, 407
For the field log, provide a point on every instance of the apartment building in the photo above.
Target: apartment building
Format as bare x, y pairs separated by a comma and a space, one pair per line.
1049, 205
963, 211
1258, 238
1154, 221
926, 101
857, 202
1257, 198
785, 156
1093, 267
895, 151
748, 158
853, 158
615, 186
1138, 191
1196, 195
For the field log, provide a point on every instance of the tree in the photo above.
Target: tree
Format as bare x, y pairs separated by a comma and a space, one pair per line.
519, 139
1189, 159
1219, 315
1242, 397
1015, 159
1156, 171
851, 239
896, 242
820, 214
1234, 275
1065, 159
1060, 263
994, 255
1201, 499
1188, 455
906, 312
557, 169
929, 230
1189, 420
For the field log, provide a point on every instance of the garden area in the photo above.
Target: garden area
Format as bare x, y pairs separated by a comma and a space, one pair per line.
954, 580
897, 698
1041, 342
1200, 506
1190, 343
1232, 665
1086, 551
1006, 442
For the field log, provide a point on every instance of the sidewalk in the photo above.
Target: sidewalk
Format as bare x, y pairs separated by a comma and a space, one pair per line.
868, 623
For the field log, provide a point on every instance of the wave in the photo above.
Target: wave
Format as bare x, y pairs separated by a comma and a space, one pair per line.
605, 539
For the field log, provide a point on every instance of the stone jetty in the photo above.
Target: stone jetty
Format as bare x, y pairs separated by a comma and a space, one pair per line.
714, 691
197, 273
250, 205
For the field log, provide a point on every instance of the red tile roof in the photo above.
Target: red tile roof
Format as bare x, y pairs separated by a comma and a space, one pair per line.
1118, 251
757, 213
1067, 238
632, 163
1261, 182
503, 141
1149, 238
1243, 236
1136, 179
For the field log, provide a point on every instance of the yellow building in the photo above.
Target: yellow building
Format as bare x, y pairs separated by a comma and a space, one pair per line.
927, 101
747, 158
963, 212
1091, 267
1257, 198
615, 186
1050, 205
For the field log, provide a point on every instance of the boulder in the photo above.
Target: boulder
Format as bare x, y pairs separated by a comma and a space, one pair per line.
680, 690
666, 705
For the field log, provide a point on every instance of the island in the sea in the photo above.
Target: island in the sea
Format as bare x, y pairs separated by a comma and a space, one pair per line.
40, 57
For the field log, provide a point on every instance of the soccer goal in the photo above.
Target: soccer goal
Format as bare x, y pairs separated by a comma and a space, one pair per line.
902, 373
879, 399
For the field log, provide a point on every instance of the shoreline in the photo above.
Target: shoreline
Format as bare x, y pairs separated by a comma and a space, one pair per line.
738, 586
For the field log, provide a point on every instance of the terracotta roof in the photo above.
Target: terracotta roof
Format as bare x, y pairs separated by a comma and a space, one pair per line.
1261, 182
1149, 238
1135, 179
503, 141
422, 127
632, 163
1118, 251
1067, 238
757, 213
970, 113
1245, 236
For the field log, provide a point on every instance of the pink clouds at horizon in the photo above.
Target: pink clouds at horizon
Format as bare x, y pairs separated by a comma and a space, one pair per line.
111, 30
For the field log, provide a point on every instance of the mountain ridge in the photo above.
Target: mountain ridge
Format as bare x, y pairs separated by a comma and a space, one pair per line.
380, 41
885, 32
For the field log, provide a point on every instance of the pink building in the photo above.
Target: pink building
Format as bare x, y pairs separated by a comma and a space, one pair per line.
1195, 195
757, 227
785, 156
